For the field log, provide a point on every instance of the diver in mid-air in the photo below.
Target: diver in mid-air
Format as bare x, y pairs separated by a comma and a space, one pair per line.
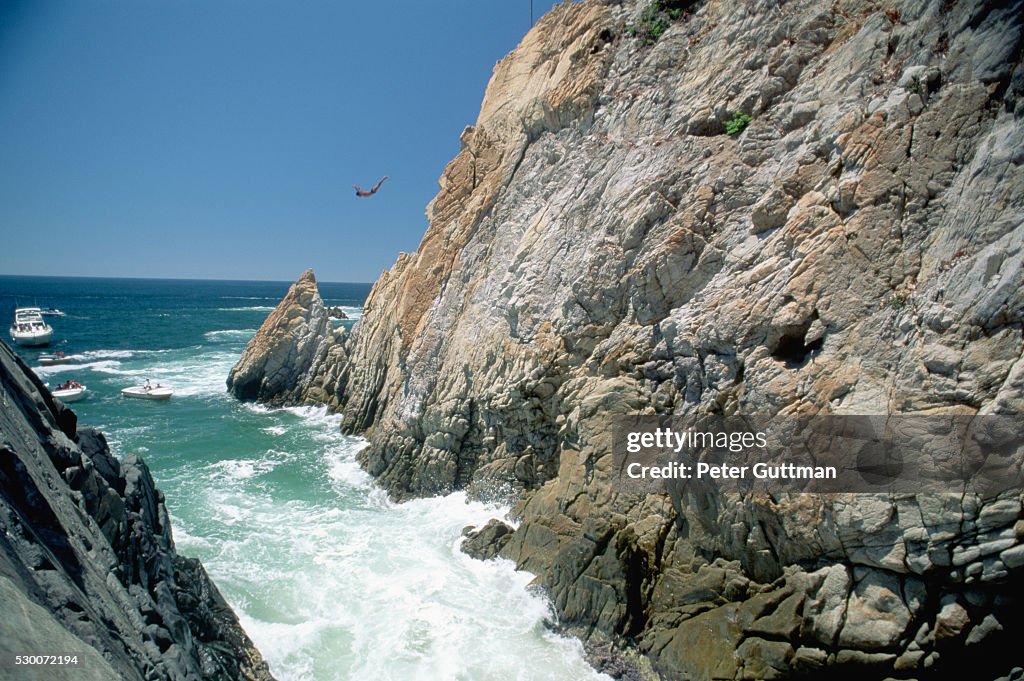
369, 192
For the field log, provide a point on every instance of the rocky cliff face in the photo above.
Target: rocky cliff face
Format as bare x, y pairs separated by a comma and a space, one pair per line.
87, 561
277, 366
602, 246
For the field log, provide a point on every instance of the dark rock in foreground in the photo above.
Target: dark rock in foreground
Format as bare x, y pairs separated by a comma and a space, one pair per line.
87, 561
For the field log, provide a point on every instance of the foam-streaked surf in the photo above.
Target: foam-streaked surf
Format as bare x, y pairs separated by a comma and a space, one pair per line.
350, 585
229, 334
331, 579
250, 308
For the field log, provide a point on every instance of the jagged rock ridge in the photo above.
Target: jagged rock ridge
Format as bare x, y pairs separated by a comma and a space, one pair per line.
87, 560
600, 245
298, 335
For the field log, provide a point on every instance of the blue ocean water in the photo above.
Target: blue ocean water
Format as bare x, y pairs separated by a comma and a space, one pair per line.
330, 579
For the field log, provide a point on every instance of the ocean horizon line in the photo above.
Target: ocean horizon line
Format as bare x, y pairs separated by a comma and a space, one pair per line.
170, 279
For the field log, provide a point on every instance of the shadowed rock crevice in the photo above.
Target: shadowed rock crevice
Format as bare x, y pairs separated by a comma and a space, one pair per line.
794, 348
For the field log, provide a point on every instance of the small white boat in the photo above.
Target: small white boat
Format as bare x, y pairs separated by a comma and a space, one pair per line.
52, 359
29, 327
148, 392
70, 394
52, 312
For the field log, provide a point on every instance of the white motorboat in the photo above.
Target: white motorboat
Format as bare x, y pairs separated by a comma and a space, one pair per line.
52, 359
29, 327
148, 392
52, 312
70, 394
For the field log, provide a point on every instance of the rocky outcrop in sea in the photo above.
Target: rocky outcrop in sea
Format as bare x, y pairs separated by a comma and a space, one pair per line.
784, 209
277, 365
87, 559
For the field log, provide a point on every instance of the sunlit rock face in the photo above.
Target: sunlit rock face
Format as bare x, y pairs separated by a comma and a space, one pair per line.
277, 365
601, 245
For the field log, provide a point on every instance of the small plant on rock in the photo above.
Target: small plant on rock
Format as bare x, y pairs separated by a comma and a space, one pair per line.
897, 300
737, 123
901, 296
652, 24
657, 17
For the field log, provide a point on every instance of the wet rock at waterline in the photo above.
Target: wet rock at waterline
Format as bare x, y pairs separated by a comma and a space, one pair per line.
87, 560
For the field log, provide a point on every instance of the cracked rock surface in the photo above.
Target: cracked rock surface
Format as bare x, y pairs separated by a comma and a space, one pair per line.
276, 365
601, 246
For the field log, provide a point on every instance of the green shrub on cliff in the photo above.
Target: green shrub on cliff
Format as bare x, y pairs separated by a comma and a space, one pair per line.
737, 123
657, 17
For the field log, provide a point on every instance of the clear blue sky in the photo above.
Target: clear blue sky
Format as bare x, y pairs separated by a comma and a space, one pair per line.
220, 138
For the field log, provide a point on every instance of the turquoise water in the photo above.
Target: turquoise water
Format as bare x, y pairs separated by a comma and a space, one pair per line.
330, 579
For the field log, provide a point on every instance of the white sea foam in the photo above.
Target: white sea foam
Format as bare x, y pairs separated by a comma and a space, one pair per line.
100, 361
125, 431
103, 366
191, 371
343, 469
334, 581
231, 470
201, 375
116, 436
248, 298
351, 312
101, 354
229, 334
251, 308
185, 542
315, 415
114, 354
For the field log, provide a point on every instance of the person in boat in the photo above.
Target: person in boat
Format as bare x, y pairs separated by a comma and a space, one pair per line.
369, 192
147, 387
